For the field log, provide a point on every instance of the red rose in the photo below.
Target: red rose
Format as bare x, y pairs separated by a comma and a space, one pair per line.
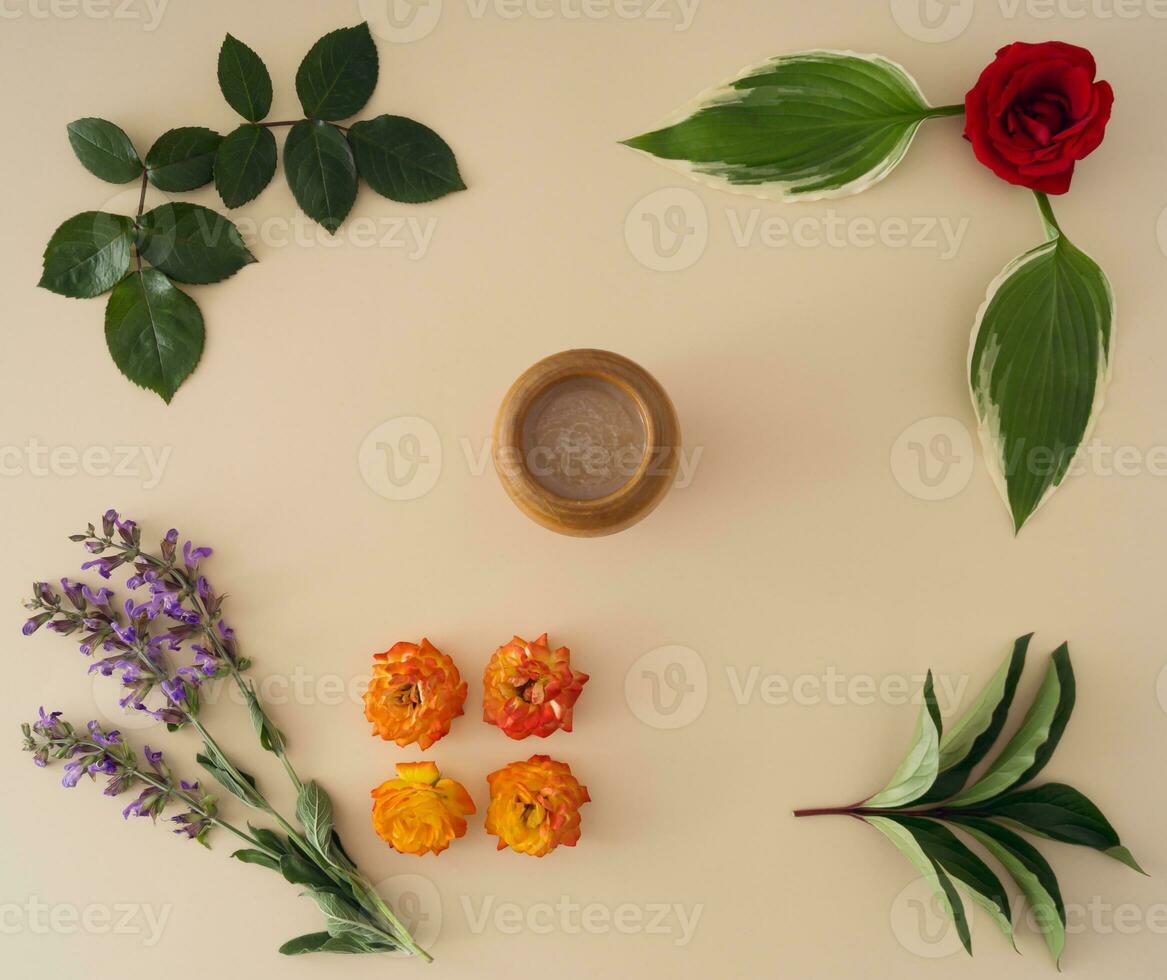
1035, 111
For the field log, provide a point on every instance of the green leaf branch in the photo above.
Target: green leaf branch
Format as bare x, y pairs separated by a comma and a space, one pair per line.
154, 330
931, 794
826, 124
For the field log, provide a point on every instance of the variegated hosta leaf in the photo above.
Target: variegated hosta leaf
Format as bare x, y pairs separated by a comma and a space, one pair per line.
935, 877
917, 772
1032, 873
1061, 813
969, 739
1039, 363
805, 126
1030, 748
968, 870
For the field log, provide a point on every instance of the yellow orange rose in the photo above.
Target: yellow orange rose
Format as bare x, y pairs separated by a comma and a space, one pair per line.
529, 689
419, 812
534, 806
414, 694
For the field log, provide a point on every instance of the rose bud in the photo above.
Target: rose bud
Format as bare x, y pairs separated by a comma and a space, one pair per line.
534, 806
530, 690
414, 694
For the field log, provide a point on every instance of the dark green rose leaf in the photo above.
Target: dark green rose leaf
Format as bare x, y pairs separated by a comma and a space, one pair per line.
320, 170
154, 332
964, 867
338, 75
104, 150
88, 254
1060, 813
404, 160
970, 738
1032, 873
183, 159
191, 243
245, 164
803, 126
244, 80
1039, 367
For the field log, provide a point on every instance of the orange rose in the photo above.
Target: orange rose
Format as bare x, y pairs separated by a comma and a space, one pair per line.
419, 811
534, 806
529, 690
414, 694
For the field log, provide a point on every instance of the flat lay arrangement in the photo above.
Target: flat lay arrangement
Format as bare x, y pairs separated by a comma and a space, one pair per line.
769, 472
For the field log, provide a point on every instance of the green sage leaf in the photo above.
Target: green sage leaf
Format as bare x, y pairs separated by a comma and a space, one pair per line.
314, 811
183, 159
969, 739
104, 150
344, 918
244, 80
269, 839
244, 788
1039, 364
917, 772
300, 871
803, 126
154, 332
191, 243
1061, 813
1030, 749
935, 877
250, 855
968, 870
270, 737
245, 164
311, 942
404, 160
321, 172
1032, 873
88, 254
338, 75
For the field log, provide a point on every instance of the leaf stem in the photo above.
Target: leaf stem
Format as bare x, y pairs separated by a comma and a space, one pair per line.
945, 110
1052, 228
294, 122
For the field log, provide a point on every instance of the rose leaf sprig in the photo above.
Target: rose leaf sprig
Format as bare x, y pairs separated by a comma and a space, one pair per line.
930, 796
167, 642
825, 124
154, 330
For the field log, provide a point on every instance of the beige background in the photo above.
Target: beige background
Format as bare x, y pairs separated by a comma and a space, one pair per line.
800, 550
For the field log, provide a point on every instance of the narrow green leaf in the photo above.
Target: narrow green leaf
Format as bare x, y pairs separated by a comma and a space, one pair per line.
935, 877
1060, 813
338, 75
314, 811
917, 772
345, 919
154, 332
1030, 749
270, 737
969, 740
245, 164
191, 243
1039, 363
244, 80
250, 855
183, 159
311, 942
802, 126
88, 254
300, 871
321, 172
1032, 873
968, 870
404, 160
269, 839
104, 150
